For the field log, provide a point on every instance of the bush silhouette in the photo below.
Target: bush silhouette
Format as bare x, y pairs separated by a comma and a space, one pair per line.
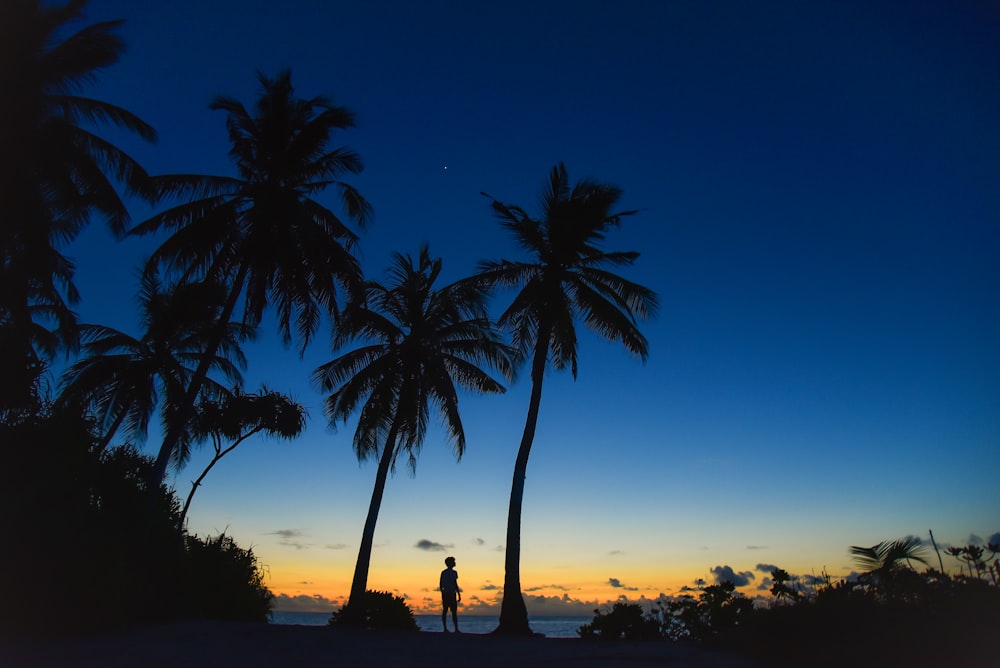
382, 610
624, 620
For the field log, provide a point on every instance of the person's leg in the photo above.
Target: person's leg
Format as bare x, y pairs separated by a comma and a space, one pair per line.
454, 616
444, 616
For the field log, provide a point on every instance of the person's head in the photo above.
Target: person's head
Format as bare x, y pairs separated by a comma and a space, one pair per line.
449, 562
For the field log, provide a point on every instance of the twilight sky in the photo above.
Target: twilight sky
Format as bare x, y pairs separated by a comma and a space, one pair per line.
820, 214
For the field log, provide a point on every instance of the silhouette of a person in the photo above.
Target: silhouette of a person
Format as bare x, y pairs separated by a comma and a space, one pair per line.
450, 594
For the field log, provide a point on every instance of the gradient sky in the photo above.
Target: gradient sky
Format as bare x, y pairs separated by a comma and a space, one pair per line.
818, 185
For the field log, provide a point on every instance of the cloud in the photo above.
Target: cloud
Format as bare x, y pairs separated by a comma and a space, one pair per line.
490, 587
336, 546
303, 603
727, 574
756, 547
618, 584
765, 568
541, 587
431, 546
615, 553
288, 537
480, 541
538, 605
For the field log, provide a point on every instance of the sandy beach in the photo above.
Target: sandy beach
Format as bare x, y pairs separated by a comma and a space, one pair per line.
220, 644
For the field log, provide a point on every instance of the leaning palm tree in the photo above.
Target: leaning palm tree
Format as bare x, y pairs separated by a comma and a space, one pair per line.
234, 418
122, 379
261, 232
54, 171
420, 343
565, 279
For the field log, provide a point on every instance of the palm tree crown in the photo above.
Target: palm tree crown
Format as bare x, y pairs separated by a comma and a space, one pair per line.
566, 279
54, 172
123, 379
261, 232
420, 343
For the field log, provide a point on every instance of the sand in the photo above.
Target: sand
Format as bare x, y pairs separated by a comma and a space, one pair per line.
242, 645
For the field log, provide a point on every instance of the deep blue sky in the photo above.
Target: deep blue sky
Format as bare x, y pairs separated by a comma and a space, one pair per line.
818, 185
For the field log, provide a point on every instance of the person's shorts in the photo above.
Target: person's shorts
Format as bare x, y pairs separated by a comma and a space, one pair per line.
449, 600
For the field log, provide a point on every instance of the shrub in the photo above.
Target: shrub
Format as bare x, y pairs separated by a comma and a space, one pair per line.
719, 615
225, 581
379, 610
624, 620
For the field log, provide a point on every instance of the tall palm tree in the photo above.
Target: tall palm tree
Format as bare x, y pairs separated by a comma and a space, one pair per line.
261, 232
421, 342
565, 279
123, 379
236, 417
54, 171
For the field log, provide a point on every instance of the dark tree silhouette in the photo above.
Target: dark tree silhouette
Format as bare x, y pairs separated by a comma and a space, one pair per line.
422, 342
261, 232
54, 174
122, 379
237, 417
566, 279
887, 568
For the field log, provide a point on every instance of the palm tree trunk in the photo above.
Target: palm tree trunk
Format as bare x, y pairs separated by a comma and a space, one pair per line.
219, 454
112, 430
513, 612
354, 610
186, 409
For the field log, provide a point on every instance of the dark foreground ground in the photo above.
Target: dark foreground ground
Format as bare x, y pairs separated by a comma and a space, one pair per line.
223, 644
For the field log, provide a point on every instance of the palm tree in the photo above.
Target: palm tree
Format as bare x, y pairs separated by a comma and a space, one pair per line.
421, 343
54, 173
887, 565
122, 379
238, 416
566, 279
261, 232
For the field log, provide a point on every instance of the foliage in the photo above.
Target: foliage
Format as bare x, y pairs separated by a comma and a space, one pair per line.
225, 581
55, 173
238, 416
567, 277
717, 616
378, 610
262, 234
624, 620
944, 620
101, 544
122, 379
421, 342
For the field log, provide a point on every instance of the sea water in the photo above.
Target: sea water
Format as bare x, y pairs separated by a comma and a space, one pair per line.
550, 627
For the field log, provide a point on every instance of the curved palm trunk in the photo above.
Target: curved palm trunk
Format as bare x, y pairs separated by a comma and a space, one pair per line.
513, 613
112, 430
219, 454
354, 614
186, 409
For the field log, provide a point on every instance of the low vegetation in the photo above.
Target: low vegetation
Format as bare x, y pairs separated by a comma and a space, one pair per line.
379, 610
96, 544
891, 614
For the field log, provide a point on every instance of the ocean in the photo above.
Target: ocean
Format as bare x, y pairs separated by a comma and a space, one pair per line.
551, 627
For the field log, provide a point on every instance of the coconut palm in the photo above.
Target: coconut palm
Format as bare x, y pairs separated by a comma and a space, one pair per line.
886, 566
54, 171
565, 279
235, 417
420, 343
122, 379
261, 232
